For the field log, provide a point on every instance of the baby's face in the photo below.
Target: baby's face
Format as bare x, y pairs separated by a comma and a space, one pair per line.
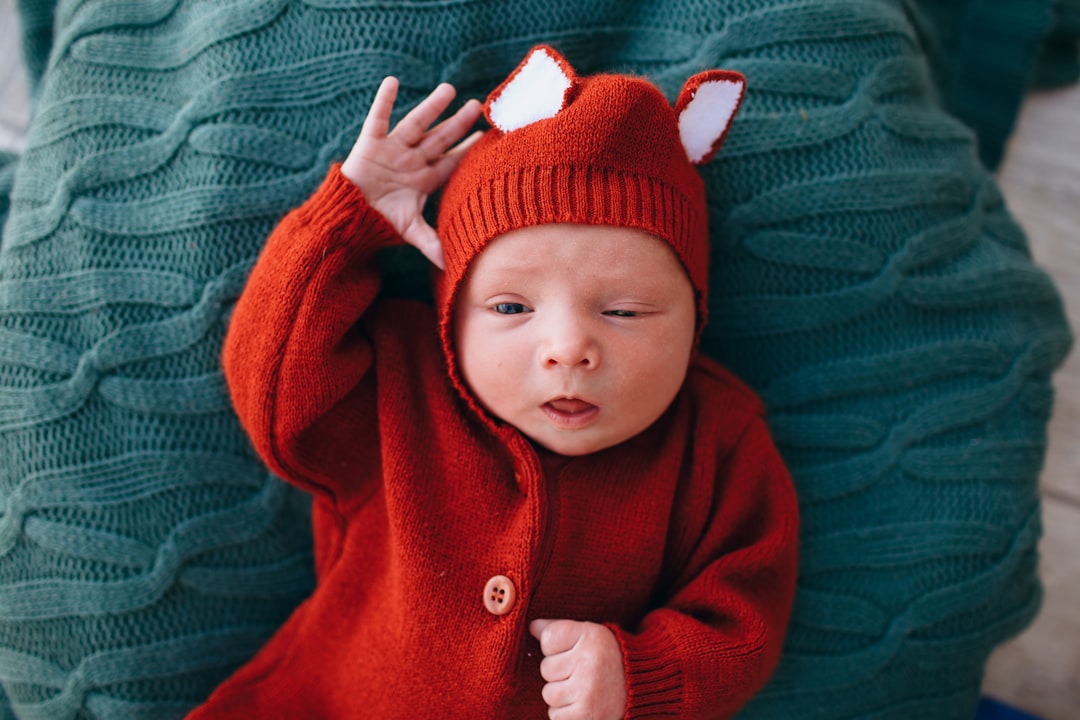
580, 336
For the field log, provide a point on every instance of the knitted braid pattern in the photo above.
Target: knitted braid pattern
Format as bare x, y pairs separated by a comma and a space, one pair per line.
867, 280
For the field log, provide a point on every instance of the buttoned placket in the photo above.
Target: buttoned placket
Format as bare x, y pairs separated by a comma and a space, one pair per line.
507, 595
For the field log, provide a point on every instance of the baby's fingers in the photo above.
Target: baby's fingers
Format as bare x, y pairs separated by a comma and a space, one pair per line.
556, 668
559, 697
415, 124
377, 122
445, 165
443, 136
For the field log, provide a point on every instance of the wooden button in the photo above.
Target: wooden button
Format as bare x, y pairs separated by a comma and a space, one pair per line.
499, 595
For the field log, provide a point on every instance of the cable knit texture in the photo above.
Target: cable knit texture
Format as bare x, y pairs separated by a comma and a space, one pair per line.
867, 280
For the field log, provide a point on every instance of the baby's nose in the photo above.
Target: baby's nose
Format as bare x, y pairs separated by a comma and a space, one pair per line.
569, 344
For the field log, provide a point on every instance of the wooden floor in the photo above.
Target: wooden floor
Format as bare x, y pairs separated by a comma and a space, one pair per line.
14, 111
1040, 671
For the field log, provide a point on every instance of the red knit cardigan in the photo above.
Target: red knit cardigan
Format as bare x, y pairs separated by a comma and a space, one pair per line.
682, 540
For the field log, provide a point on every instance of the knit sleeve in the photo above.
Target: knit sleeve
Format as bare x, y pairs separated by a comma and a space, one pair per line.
717, 639
295, 356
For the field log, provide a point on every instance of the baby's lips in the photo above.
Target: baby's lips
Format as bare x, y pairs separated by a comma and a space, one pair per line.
570, 405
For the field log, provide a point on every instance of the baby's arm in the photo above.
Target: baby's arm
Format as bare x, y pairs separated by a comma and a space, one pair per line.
294, 356
717, 637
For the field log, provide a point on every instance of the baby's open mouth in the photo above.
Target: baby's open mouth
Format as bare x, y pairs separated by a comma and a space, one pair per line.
570, 413
570, 405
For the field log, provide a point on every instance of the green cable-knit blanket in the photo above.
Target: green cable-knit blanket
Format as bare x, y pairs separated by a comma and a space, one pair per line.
867, 280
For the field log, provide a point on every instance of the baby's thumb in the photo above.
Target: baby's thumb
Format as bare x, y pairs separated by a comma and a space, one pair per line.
536, 627
423, 237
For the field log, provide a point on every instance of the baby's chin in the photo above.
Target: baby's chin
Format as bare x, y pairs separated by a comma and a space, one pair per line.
569, 445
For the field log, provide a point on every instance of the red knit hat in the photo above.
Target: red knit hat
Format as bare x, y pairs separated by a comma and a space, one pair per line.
599, 150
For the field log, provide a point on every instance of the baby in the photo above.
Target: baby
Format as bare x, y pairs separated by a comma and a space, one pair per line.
535, 498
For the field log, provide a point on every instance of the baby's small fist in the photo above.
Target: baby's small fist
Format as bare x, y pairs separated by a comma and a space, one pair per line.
583, 667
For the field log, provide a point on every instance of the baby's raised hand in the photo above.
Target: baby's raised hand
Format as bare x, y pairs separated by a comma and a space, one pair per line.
583, 667
397, 170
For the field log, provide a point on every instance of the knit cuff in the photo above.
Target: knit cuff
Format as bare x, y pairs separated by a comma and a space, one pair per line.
654, 683
338, 211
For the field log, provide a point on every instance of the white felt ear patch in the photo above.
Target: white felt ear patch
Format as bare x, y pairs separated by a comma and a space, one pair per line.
708, 105
536, 91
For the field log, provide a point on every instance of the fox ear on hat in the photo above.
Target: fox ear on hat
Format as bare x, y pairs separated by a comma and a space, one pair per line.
538, 89
705, 108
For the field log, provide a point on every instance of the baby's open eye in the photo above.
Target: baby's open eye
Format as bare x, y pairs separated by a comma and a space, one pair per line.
509, 308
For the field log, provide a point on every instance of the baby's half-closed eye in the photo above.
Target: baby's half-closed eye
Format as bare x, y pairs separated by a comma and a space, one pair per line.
509, 308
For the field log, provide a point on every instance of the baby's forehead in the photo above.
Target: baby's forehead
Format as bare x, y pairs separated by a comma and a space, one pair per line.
580, 253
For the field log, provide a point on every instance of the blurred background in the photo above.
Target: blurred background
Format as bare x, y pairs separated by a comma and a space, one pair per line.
1040, 670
